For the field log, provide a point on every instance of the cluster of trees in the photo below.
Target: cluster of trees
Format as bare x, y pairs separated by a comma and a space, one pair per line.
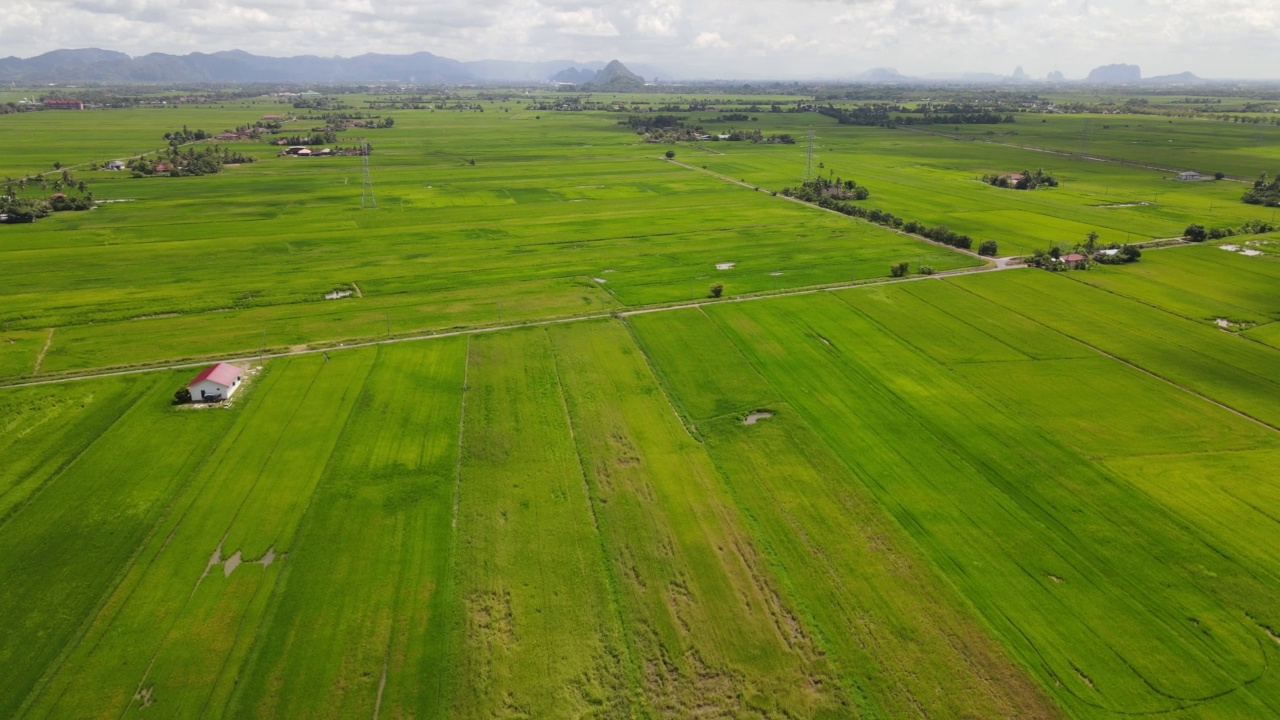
811, 192
324, 102
186, 135
68, 194
1263, 192
1026, 180
834, 189
1199, 233
323, 136
939, 233
1084, 255
673, 128
177, 162
888, 115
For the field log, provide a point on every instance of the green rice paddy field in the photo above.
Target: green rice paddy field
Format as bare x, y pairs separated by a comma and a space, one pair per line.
997, 494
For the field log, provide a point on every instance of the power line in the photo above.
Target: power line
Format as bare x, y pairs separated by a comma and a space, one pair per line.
808, 161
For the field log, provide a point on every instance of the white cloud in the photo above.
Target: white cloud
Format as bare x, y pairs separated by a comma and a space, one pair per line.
710, 40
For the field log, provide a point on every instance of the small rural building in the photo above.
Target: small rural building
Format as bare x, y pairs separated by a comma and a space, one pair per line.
1190, 175
63, 105
115, 165
1073, 257
214, 383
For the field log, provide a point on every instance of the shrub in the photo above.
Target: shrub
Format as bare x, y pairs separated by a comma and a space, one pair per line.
182, 397
1195, 233
671, 154
926, 270
717, 289
988, 248
899, 269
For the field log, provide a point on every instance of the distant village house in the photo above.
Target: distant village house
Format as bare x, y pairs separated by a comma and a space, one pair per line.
63, 105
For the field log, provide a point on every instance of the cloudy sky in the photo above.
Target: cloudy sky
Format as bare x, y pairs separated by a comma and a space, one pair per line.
691, 38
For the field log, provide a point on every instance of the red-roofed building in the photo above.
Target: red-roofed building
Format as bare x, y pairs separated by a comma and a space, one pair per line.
1073, 257
63, 105
215, 383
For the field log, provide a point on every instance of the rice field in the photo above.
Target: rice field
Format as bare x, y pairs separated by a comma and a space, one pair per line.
590, 491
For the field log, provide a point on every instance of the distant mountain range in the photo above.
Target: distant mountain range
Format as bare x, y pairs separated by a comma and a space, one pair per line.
236, 66
1118, 74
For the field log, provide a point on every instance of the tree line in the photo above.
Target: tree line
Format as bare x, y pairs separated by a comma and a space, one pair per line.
69, 194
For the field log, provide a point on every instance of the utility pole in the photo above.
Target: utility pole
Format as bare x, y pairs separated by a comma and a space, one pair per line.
366, 189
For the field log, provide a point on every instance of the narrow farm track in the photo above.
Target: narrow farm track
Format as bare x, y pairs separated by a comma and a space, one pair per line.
43, 351
1001, 264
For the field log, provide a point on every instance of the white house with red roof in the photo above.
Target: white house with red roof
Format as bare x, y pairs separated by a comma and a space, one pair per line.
215, 383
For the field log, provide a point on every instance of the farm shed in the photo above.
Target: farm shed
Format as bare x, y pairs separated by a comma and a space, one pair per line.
1189, 175
1073, 257
216, 382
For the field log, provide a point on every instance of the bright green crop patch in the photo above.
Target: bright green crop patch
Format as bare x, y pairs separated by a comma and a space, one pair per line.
1203, 283
1052, 551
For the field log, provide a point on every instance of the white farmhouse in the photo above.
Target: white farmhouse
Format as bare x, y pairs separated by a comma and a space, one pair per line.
215, 383
1190, 175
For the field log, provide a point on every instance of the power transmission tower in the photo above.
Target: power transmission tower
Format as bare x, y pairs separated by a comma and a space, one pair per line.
366, 189
808, 159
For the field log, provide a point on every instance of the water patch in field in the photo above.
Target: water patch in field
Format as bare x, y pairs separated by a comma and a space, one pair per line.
116, 200
756, 417
1246, 251
775, 274
725, 266
269, 558
1055, 578
338, 294
231, 564
1125, 205
600, 280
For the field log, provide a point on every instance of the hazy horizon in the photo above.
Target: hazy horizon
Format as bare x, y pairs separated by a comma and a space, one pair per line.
801, 39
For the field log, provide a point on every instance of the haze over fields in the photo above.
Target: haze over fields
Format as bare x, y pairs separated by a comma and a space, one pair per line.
677, 39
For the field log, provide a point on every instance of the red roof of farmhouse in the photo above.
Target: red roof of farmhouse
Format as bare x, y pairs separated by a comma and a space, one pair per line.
222, 373
1073, 257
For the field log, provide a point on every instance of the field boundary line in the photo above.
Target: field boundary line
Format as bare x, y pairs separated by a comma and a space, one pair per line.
462, 426
44, 350
677, 408
1050, 151
607, 565
1139, 368
798, 201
